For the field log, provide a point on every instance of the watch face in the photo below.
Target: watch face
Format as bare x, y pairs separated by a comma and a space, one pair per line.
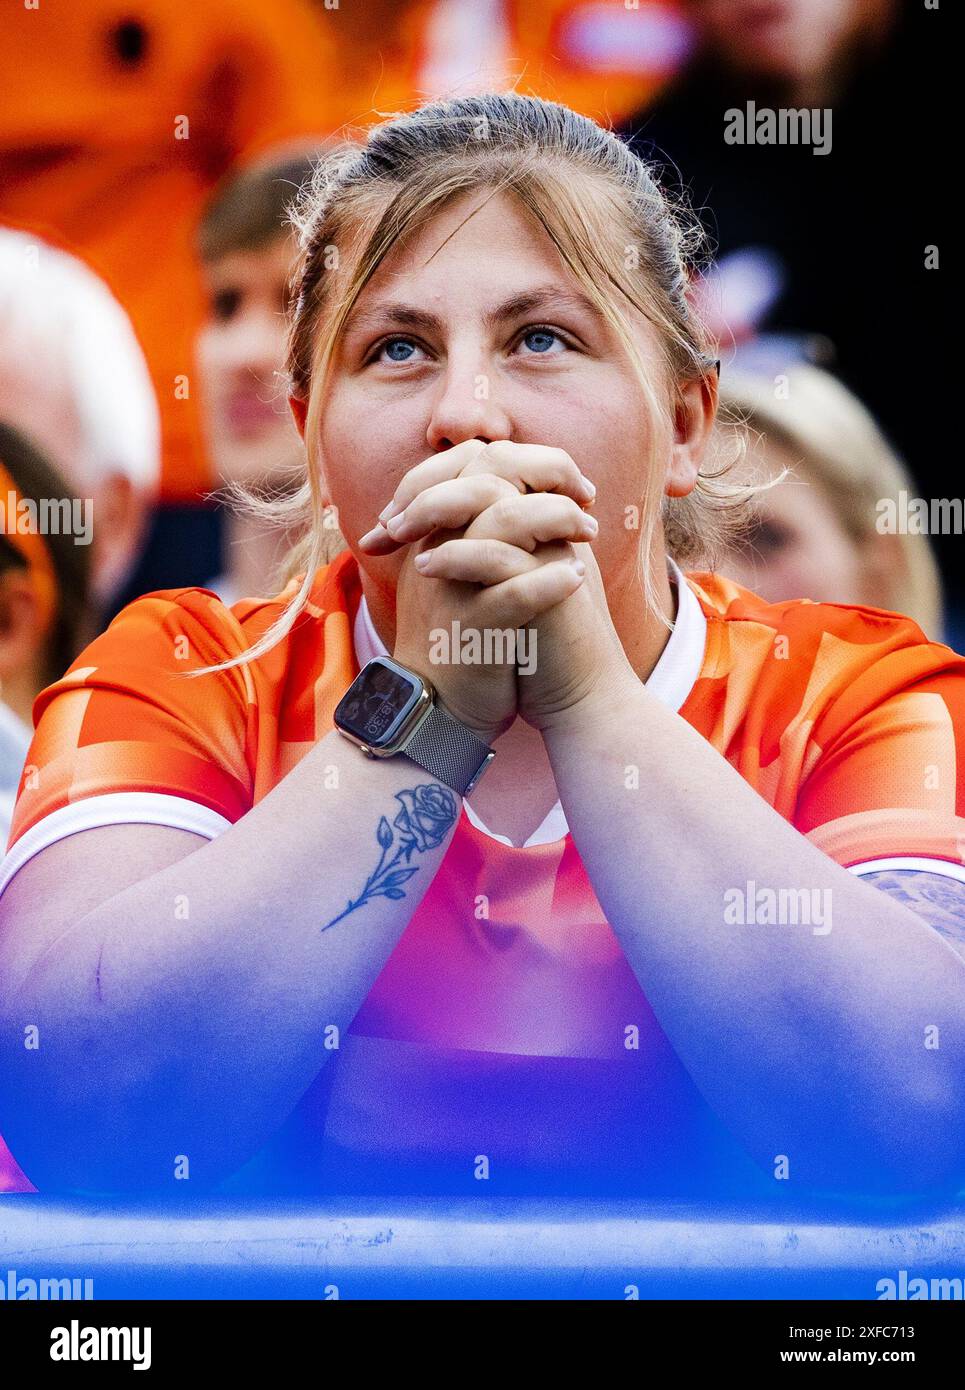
377, 704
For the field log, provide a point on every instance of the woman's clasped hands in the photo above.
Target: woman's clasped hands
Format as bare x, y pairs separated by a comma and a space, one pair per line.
502, 531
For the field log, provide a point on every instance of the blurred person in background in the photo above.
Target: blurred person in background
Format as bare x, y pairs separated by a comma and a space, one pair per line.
248, 252
815, 534
73, 378
824, 242
44, 622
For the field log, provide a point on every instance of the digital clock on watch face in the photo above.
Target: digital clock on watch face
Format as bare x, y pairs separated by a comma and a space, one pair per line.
378, 703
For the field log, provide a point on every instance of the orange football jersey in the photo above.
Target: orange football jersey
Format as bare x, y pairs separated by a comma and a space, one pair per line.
490, 1036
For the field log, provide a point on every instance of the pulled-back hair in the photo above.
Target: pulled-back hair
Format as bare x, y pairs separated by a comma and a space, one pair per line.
614, 228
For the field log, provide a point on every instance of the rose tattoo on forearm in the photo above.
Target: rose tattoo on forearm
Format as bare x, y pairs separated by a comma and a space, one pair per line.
426, 814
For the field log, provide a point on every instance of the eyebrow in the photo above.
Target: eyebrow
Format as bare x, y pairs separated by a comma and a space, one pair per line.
408, 316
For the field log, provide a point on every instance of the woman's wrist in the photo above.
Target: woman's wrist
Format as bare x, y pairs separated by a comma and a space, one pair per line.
487, 733
605, 699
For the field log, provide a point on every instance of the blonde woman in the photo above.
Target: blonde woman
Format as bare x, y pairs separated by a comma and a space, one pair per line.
823, 532
282, 920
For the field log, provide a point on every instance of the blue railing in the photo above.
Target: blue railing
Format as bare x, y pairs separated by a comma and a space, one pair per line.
480, 1248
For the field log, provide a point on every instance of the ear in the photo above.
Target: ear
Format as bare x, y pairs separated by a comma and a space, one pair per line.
19, 643
694, 416
298, 409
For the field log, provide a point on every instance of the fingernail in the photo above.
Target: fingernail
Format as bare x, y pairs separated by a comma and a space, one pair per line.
371, 535
395, 524
591, 524
579, 566
388, 511
589, 491
422, 559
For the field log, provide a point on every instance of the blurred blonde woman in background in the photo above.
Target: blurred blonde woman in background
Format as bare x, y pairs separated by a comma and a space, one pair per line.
815, 533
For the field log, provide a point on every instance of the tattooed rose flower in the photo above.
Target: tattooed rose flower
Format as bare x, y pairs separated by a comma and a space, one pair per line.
426, 815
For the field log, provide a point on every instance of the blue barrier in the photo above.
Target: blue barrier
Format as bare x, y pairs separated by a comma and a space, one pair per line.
481, 1248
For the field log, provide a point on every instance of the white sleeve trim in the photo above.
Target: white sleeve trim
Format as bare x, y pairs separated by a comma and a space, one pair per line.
929, 866
114, 808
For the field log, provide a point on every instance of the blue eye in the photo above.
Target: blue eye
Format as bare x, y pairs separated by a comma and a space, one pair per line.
540, 341
394, 343
544, 337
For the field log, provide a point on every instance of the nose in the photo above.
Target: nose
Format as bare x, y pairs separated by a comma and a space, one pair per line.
258, 344
466, 408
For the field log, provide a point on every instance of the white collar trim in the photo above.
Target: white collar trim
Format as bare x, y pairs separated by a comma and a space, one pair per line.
671, 680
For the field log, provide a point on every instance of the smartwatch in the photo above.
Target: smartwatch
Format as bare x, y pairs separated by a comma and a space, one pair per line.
389, 709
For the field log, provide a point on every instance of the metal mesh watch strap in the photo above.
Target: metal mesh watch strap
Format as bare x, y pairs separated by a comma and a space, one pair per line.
449, 751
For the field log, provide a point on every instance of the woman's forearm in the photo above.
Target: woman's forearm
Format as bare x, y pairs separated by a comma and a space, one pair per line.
810, 1039
188, 1013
